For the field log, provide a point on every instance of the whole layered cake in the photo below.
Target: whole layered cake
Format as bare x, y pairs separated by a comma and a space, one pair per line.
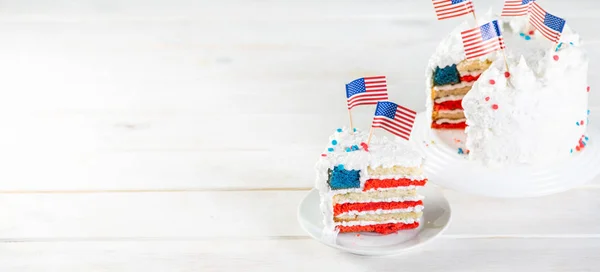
369, 188
534, 111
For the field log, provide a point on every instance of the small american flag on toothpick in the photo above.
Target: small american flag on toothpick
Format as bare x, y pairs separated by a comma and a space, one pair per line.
482, 40
394, 118
549, 25
516, 7
446, 9
366, 91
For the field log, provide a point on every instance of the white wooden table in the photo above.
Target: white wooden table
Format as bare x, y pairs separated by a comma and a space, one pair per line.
181, 136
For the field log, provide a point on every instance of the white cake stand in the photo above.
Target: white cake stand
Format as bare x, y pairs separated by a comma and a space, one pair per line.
447, 168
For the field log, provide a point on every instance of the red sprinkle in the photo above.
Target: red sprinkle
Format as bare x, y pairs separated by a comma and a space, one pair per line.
495, 106
506, 74
487, 98
492, 81
531, 32
578, 148
556, 57
323, 155
365, 146
588, 89
581, 122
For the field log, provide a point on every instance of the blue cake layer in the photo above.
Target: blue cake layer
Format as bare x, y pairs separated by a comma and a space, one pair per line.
446, 75
339, 178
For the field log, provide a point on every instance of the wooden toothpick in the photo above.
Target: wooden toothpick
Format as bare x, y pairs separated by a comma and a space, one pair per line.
370, 135
351, 125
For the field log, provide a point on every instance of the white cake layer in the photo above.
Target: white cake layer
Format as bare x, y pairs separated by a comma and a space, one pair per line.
538, 111
449, 98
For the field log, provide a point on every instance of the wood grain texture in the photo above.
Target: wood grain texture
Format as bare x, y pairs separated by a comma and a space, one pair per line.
181, 215
493, 254
181, 136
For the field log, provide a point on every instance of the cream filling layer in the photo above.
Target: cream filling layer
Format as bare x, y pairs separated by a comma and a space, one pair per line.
378, 217
450, 121
368, 223
454, 87
366, 196
418, 208
375, 200
450, 111
449, 98
359, 190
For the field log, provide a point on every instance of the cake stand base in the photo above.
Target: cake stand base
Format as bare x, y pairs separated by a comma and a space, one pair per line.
447, 168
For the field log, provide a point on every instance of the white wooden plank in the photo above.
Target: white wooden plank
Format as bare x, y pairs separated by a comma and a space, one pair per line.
225, 10
168, 170
195, 215
445, 254
168, 67
165, 151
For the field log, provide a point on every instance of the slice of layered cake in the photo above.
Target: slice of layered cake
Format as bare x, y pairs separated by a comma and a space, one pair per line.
450, 85
369, 188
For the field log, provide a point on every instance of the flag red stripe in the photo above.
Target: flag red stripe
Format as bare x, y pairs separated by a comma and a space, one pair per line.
408, 110
375, 82
445, 9
392, 126
404, 123
400, 134
367, 95
374, 86
494, 45
374, 77
370, 101
537, 17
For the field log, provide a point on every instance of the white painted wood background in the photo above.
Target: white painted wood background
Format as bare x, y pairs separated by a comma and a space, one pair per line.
181, 136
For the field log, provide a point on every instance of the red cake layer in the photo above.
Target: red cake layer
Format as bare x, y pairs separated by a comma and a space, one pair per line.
448, 105
469, 78
380, 228
373, 206
462, 125
392, 183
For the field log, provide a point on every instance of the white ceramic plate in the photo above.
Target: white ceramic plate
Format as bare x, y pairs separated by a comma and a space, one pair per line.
445, 167
436, 217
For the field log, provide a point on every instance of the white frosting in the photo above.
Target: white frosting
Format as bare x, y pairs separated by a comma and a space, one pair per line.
367, 223
417, 208
449, 121
449, 98
382, 152
453, 87
537, 110
389, 199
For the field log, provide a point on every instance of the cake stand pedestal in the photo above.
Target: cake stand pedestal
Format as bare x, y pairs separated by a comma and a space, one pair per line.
447, 168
